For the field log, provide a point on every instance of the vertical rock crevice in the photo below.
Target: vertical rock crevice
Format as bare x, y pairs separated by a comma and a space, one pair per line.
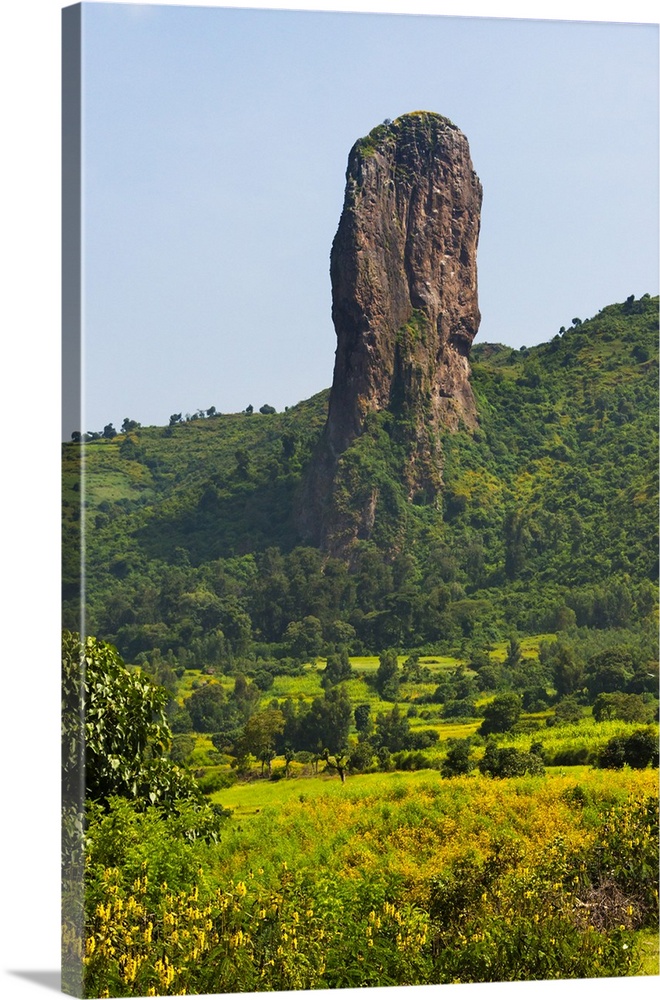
405, 310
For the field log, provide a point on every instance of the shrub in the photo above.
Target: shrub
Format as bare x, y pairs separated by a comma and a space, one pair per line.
571, 756
458, 759
501, 714
509, 762
637, 750
264, 680
422, 739
117, 717
497, 921
568, 710
411, 760
213, 780
361, 757
617, 705
460, 708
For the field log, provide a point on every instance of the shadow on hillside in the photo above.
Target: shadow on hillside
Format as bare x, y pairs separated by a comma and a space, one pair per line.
251, 519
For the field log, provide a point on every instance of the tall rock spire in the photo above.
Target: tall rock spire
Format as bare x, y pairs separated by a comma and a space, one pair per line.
404, 305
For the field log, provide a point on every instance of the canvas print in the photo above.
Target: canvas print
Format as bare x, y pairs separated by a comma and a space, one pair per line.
360, 666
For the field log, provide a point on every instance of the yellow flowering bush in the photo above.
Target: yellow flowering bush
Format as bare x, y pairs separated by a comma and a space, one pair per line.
462, 881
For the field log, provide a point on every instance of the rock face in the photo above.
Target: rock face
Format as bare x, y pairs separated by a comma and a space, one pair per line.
404, 305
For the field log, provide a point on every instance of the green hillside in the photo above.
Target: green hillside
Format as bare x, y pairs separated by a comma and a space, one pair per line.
432, 761
548, 519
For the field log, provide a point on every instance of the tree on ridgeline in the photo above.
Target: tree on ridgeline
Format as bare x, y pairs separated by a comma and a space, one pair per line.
129, 425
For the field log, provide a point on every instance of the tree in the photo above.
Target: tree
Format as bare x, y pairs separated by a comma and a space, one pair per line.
109, 432
412, 668
458, 760
568, 710
245, 696
266, 408
386, 680
130, 449
567, 671
175, 418
617, 705
362, 756
488, 675
305, 638
338, 762
514, 653
326, 724
609, 671
362, 716
115, 734
289, 756
341, 633
517, 539
289, 443
183, 745
637, 750
509, 762
243, 463
501, 714
564, 619
393, 730
337, 669
264, 679
208, 708
259, 737
641, 748
129, 425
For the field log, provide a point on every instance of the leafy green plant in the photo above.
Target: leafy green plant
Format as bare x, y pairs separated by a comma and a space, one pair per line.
117, 718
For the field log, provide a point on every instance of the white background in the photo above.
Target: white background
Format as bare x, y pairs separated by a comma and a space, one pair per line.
29, 63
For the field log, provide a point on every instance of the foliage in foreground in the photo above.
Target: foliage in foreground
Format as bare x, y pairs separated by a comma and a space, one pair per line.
116, 717
468, 881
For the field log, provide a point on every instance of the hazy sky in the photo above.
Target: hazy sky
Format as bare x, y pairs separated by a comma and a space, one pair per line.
215, 147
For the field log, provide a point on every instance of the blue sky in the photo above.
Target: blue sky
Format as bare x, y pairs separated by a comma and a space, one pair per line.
215, 146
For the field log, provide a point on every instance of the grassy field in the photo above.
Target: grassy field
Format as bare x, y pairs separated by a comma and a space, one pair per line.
451, 880
393, 877
248, 799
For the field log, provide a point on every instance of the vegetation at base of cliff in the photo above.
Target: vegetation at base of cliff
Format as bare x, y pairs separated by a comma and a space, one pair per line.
548, 516
390, 883
434, 761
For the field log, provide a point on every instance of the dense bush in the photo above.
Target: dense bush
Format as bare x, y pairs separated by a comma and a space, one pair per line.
637, 750
509, 762
525, 888
501, 714
116, 717
458, 760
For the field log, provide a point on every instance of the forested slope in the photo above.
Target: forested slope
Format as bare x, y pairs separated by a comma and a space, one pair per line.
548, 516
